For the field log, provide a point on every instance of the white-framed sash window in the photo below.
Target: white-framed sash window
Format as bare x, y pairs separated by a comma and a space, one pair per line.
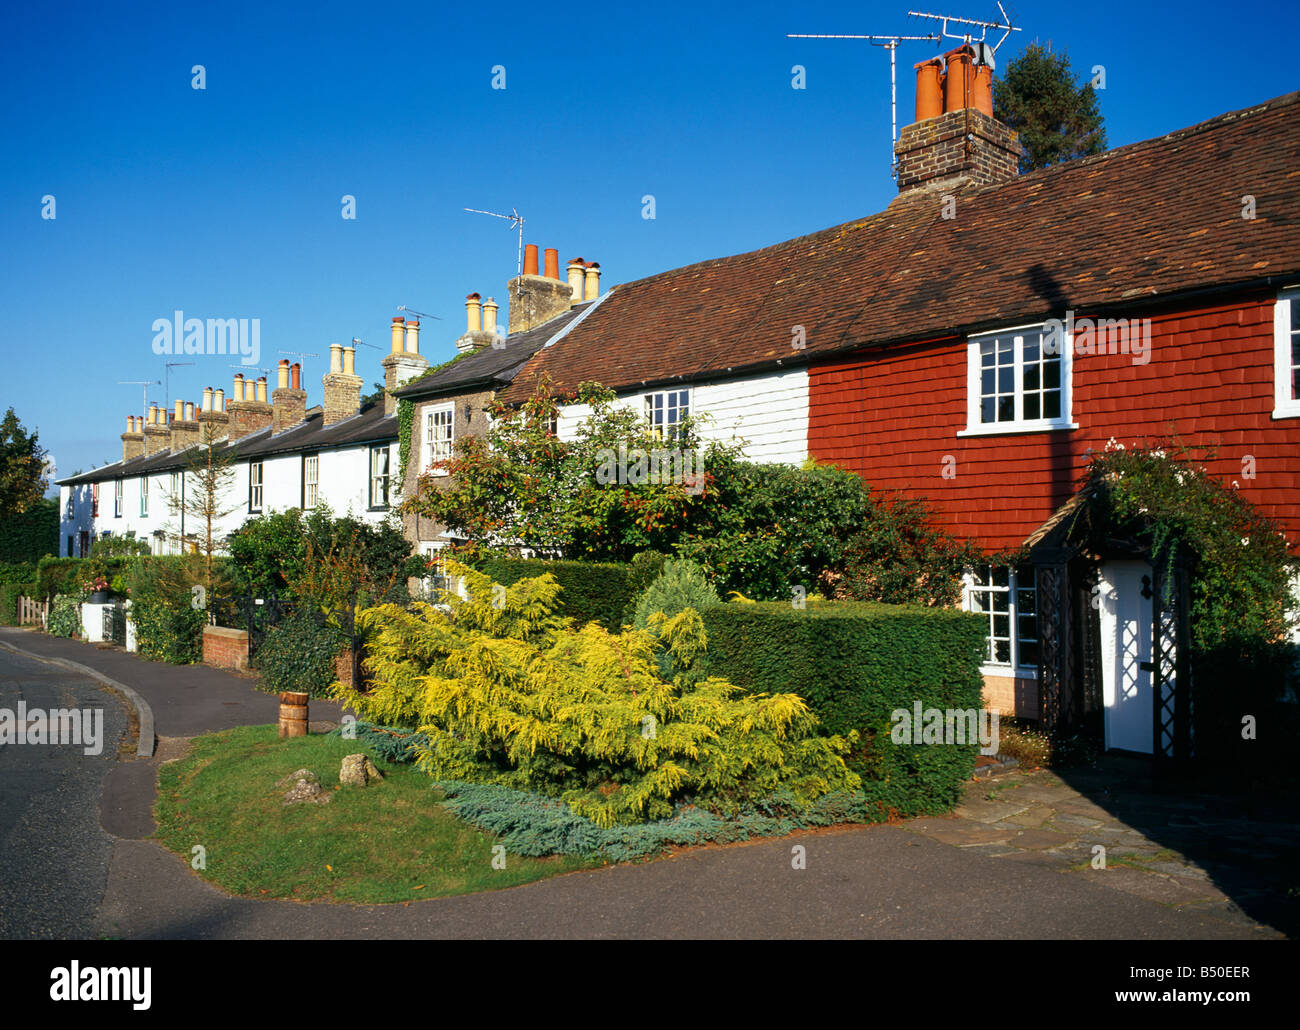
1286, 355
1018, 381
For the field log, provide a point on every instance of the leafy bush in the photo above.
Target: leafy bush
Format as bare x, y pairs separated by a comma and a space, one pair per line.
317, 555
298, 654
167, 626
513, 695
855, 663
589, 591
65, 616
128, 545
681, 585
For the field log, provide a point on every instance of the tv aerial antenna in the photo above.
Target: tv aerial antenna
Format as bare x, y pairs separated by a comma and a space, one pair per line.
167, 377
300, 354
144, 385
516, 221
892, 42
419, 314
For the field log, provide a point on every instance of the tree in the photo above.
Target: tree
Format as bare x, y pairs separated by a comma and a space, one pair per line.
23, 471
202, 499
1057, 119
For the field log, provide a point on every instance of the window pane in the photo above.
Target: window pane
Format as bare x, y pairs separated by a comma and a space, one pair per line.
1028, 653
1007, 409
1052, 404
1002, 651
1052, 373
1031, 406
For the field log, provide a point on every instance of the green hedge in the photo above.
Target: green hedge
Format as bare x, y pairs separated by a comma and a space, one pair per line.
298, 654
16, 579
31, 535
591, 591
855, 663
168, 631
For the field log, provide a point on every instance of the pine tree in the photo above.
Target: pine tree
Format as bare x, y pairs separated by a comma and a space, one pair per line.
1057, 119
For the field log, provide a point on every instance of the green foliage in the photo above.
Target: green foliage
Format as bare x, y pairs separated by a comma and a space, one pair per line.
855, 663
29, 535
899, 557
589, 591
329, 559
23, 471
16, 580
681, 585
298, 654
9, 594
125, 546
167, 632
65, 616
509, 693
167, 626
521, 482
405, 423
1058, 120
532, 824
69, 575
1163, 499
17, 572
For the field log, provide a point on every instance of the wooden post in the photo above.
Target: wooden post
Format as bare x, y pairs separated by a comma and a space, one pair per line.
293, 714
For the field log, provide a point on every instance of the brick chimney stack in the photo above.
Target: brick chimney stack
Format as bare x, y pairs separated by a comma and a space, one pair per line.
133, 439
342, 385
248, 409
404, 362
288, 402
185, 427
212, 417
476, 336
955, 138
534, 298
157, 436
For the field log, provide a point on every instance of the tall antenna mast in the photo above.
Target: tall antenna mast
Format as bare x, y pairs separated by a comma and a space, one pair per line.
419, 314
516, 221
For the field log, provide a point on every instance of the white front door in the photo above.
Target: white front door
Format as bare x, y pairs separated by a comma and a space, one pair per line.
1125, 650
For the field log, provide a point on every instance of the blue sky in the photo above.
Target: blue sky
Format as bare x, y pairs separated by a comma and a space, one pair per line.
226, 202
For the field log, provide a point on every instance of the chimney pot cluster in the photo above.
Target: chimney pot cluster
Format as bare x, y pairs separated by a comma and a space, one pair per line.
961, 84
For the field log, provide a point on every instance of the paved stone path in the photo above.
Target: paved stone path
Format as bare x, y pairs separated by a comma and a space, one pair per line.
1237, 860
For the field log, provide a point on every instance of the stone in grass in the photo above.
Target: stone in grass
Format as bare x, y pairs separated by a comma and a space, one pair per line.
359, 771
306, 787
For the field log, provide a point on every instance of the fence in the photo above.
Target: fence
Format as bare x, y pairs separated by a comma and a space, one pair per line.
32, 612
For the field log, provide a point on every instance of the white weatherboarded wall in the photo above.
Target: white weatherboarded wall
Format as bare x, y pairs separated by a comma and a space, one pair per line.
768, 412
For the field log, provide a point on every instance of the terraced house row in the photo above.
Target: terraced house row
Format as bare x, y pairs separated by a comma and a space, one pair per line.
971, 344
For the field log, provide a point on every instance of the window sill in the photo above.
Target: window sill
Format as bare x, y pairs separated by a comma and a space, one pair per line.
379, 507
1008, 428
1287, 411
1007, 672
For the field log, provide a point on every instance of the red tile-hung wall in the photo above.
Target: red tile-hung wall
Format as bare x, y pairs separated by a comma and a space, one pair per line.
893, 416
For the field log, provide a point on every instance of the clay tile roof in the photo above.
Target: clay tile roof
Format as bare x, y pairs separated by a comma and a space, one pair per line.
1148, 220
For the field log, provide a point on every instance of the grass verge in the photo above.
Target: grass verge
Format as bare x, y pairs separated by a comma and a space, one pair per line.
389, 842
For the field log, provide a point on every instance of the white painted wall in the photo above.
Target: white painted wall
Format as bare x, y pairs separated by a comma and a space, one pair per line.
344, 486
769, 412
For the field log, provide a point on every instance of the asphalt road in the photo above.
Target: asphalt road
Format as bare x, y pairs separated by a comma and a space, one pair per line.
54, 856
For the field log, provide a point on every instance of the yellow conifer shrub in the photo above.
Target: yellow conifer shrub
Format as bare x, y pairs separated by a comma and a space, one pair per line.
507, 692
